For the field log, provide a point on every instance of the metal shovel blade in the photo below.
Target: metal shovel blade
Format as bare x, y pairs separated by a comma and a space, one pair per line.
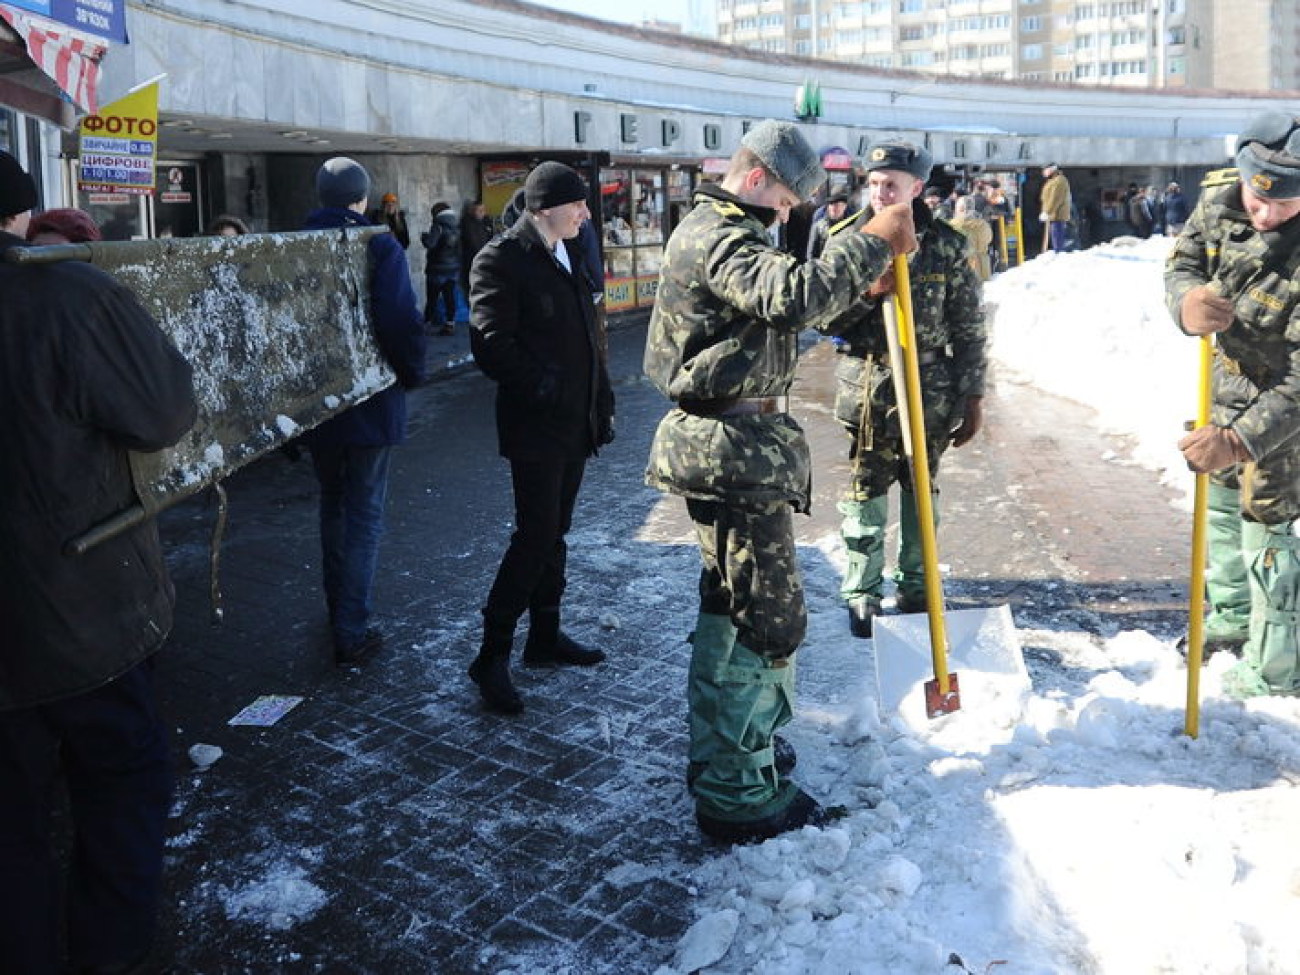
982, 645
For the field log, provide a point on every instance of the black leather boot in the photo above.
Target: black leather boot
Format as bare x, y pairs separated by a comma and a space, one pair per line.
548, 647
491, 672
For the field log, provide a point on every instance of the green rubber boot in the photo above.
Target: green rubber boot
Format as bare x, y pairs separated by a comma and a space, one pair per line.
1271, 660
739, 795
863, 530
911, 561
1227, 584
710, 651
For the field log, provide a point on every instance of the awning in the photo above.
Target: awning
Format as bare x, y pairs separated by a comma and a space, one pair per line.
46, 70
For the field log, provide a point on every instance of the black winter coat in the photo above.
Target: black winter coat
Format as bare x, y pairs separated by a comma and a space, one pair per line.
85, 376
534, 333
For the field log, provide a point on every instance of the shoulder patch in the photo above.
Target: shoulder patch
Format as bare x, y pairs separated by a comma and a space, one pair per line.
1220, 177
727, 209
847, 222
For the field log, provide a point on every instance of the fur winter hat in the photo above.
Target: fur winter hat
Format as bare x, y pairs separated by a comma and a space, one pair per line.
783, 149
1268, 156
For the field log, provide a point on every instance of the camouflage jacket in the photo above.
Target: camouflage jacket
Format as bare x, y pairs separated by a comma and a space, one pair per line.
1257, 368
947, 302
725, 324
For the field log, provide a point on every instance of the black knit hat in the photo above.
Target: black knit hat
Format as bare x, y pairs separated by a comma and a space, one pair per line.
553, 184
17, 189
341, 182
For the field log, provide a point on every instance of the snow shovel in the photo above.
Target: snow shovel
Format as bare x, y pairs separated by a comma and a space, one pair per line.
987, 637
1200, 516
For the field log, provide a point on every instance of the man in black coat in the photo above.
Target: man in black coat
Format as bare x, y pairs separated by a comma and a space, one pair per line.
85, 376
534, 333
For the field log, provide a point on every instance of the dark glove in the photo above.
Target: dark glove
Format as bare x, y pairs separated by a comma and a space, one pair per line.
1204, 311
971, 421
606, 434
1212, 448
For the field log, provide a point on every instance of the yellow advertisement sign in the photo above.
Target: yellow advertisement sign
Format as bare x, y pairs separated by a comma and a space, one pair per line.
119, 145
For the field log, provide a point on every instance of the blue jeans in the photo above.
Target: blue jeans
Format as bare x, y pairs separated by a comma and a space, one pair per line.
353, 487
440, 299
1059, 234
111, 745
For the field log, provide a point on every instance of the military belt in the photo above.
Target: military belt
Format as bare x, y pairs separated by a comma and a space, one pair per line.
736, 406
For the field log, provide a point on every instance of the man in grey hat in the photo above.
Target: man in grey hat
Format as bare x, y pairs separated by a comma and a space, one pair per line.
950, 342
1231, 274
723, 345
85, 376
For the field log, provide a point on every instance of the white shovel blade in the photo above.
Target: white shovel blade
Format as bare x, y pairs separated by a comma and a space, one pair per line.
982, 649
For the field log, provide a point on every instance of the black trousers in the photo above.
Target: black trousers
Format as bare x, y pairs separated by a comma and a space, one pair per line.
111, 744
531, 575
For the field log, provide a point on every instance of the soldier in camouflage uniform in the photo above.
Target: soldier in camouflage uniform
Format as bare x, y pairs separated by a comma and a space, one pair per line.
723, 344
950, 342
1235, 271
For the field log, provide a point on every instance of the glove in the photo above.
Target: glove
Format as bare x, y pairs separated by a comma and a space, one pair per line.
606, 432
883, 285
894, 225
971, 421
1204, 311
1044, 218
1212, 448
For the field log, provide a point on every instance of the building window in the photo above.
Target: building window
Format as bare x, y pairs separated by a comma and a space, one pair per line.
911, 6
1177, 65
1031, 24
911, 34
1084, 11
1085, 42
1031, 52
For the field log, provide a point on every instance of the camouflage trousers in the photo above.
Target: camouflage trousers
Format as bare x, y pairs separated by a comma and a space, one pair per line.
750, 573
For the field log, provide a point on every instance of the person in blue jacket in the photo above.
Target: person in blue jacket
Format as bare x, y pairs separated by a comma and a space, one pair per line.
351, 451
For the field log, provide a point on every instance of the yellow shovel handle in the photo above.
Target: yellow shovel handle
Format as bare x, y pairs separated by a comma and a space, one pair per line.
921, 471
1200, 510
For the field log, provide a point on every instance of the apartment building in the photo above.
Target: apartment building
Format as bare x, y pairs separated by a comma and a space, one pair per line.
1136, 43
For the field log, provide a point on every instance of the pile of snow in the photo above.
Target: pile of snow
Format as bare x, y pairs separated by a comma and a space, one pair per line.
1092, 326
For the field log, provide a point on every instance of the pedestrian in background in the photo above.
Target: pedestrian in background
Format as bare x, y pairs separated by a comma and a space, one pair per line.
534, 333
1055, 204
441, 268
476, 230
723, 345
1232, 274
389, 215
1177, 209
63, 226
836, 204
227, 225
951, 350
1139, 213
978, 234
85, 376
351, 452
